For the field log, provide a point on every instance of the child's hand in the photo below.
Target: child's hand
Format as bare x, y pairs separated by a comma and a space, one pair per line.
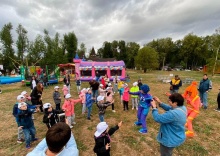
59, 97
119, 124
157, 99
20, 127
107, 146
153, 104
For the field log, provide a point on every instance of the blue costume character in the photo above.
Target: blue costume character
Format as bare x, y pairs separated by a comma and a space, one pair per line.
144, 107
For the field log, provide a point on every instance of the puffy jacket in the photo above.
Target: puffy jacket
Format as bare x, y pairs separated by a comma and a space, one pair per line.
56, 96
69, 105
25, 118
102, 107
53, 119
89, 100
172, 125
205, 85
15, 109
126, 95
176, 83
134, 89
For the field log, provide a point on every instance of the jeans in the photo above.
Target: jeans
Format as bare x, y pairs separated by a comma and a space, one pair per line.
20, 131
203, 98
101, 117
70, 119
174, 91
29, 134
166, 151
115, 88
89, 111
95, 94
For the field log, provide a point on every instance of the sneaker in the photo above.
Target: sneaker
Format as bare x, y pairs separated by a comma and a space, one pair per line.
217, 109
28, 146
88, 118
20, 141
74, 123
189, 134
113, 111
143, 131
71, 126
35, 139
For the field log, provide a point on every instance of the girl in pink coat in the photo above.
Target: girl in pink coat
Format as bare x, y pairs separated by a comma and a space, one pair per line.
82, 96
65, 90
125, 96
68, 107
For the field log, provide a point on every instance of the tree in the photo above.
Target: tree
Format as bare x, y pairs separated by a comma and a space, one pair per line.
82, 50
92, 52
7, 50
147, 58
70, 42
132, 51
107, 50
122, 51
22, 41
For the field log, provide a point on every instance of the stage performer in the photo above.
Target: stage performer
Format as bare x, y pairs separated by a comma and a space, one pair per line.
193, 104
143, 108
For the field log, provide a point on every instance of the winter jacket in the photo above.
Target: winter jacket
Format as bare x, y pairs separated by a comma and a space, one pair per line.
25, 118
176, 84
89, 100
125, 95
65, 90
205, 85
82, 96
121, 91
15, 109
145, 99
69, 105
172, 125
102, 140
56, 96
35, 96
102, 107
134, 89
66, 80
53, 118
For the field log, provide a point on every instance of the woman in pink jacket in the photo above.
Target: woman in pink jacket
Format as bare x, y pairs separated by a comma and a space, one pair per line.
68, 107
125, 96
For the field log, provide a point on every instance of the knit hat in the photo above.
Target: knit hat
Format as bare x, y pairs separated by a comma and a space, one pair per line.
135, 84
46, 105
20, 97
56, 87
23, 93
21, 104
145, 88
100, 98
101, 127
67, 96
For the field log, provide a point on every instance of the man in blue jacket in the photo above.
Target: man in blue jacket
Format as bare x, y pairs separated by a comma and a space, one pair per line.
172, 123
204, 87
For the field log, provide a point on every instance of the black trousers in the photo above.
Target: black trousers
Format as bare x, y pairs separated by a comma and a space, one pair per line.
58, 106
125, 105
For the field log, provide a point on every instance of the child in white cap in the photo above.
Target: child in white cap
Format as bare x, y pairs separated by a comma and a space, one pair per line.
102, 138
89, 102
82, 96
68, 107
57, 97
102, 107
134, 98
50, 115
27, 97
102, 91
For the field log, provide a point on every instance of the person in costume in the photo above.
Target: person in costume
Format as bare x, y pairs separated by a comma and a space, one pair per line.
144, 107
193, 104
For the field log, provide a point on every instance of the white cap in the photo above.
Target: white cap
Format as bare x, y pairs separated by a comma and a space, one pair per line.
56, 87
84, 89
108, 88
100, 98
101, 85
109, 84
88, 89
125, 84
23, 93
19, 97
135, 84
67, 96
101, 127
46, 105
21, 104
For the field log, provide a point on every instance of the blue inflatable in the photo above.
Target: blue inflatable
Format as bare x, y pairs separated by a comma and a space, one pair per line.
8, 80
53, 81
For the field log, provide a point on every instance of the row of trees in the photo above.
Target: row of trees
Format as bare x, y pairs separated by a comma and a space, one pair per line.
190, 52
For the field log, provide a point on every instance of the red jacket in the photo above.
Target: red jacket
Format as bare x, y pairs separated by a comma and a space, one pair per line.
126, 95
68, 106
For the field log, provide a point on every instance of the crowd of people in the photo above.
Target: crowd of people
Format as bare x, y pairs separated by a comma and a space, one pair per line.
175, 122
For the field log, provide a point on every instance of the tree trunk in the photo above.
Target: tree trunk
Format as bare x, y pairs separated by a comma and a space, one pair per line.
163, 63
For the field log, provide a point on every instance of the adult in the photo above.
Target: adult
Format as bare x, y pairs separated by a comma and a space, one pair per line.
115, 81
204, 87
95, 87
172, 123
45, 80
59, 141
140, 84
175, 84
33, 82
97, 76
192, 104
36, 95
66, 81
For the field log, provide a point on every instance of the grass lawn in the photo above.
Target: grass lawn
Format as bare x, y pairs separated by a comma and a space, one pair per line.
127, 140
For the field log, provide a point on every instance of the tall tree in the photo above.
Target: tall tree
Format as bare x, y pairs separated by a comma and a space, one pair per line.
107, 50
132, 51
82, 50
122, 51
7, 50
22, 42
147, 58
70, 42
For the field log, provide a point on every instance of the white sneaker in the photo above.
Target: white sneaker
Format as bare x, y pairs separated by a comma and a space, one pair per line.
113, 111
74, 123
71, 126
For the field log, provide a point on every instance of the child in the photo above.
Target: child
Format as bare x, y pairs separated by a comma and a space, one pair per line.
89, 102
134, 98
110, 99
27, 97
218, 101
78, 84
102, 107
26, 123
65, 90
57, 97
82, 96
20, 98
68, 107
101, 90
125, 97
121, 91
144, 107
50, 115
102, 138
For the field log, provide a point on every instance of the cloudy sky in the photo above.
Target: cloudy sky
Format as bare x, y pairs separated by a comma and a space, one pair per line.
96, 21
